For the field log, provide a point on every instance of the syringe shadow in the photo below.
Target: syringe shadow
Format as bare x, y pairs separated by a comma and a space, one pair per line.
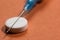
38, 7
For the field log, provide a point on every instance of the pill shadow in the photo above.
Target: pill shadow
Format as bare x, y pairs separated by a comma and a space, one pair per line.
18, 35
38, 7
3, 29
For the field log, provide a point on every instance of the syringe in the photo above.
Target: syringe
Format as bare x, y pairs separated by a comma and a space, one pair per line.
27, 8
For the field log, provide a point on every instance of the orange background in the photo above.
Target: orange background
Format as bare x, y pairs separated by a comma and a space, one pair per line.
44, 20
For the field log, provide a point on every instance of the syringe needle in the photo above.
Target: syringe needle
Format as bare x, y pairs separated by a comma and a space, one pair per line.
20, 15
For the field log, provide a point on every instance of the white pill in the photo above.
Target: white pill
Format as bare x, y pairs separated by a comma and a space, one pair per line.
19, 26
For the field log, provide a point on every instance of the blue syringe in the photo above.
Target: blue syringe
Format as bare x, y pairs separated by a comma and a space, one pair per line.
27, 8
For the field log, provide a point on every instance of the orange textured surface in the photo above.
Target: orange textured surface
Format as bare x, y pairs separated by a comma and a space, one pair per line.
44, 20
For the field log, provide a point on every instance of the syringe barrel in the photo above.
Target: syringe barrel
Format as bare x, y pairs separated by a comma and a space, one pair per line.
30, 4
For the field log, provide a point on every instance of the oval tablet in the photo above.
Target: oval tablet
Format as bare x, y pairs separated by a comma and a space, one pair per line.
19, 26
